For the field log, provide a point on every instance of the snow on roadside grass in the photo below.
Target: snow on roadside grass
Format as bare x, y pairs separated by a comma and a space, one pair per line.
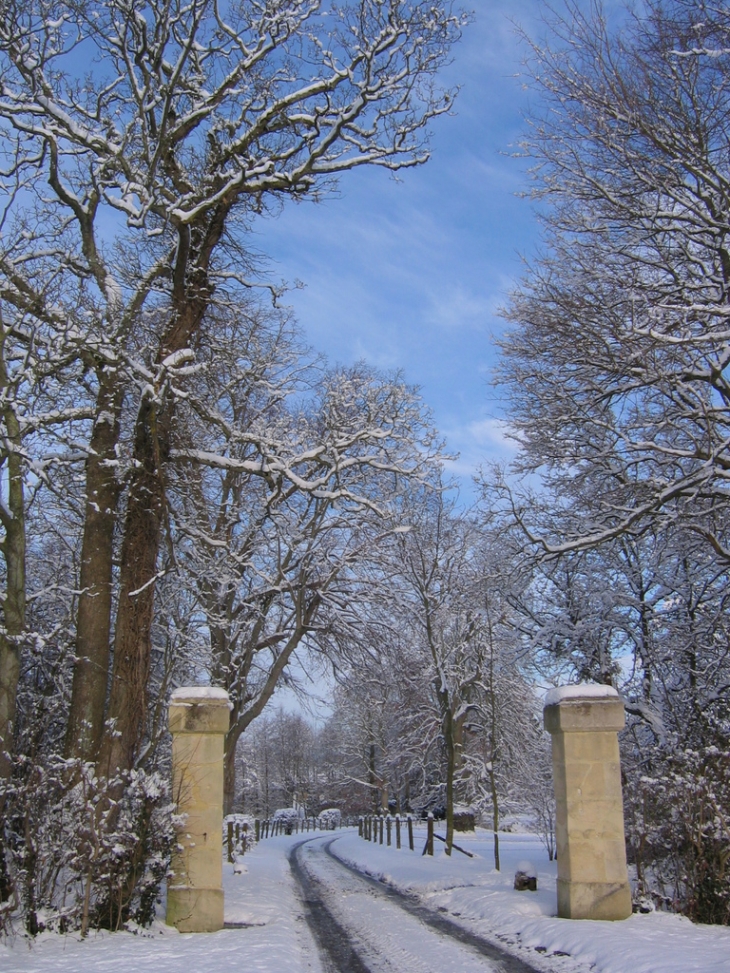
483, 900
273, 938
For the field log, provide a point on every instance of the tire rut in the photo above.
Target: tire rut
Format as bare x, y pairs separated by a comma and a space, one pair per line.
334, 942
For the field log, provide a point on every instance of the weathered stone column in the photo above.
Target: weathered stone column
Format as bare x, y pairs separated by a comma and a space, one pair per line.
592, 877
198, 723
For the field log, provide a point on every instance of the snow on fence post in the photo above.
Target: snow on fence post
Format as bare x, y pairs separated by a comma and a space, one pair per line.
592, 876
198, 720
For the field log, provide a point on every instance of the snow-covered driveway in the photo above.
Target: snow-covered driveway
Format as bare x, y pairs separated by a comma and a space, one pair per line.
365, 929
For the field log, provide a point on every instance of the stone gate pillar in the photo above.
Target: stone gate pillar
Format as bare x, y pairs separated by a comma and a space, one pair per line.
198, 720
592, 876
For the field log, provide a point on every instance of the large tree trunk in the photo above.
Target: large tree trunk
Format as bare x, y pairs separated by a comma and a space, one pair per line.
229, 769
93, 626
451, 759
127, 713
13, 604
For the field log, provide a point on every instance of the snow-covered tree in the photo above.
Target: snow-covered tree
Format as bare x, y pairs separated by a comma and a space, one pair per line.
616, 362
283, 512
616, 369
140, 140
459, 581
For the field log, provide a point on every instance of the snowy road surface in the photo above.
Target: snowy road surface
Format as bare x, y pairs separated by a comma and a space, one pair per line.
365, 929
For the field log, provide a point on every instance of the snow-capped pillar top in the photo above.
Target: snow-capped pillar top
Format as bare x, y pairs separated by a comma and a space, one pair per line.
199, 709
586, 707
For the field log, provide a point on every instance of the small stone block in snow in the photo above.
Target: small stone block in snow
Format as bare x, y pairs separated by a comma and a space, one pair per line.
526, 877
463, 819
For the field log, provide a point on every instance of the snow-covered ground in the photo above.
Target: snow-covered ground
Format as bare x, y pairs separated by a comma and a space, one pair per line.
272, 935
484, 901
260, 895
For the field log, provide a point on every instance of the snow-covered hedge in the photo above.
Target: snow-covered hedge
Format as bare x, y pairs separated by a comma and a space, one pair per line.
330, 818
288, 817
287, 814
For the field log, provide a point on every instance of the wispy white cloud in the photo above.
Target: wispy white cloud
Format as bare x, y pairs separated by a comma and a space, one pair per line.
411, 274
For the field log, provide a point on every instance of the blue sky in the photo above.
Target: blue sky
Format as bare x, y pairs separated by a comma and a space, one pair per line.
410, 274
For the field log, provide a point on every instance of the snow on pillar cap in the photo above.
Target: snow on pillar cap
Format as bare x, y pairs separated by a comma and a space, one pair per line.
199, 709
585, 690
588, 706
199, 694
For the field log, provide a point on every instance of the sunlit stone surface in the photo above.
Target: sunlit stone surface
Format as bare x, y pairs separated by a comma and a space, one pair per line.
592, 876
198, 722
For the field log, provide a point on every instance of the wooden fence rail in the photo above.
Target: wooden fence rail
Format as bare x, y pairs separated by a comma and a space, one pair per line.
372, 827
271, 827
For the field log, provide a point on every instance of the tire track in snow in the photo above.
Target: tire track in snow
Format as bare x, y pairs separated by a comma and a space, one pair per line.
367, 927
335, 944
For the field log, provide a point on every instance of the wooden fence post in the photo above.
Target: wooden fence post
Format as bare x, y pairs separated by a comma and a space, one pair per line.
381, 829
429, 839
410, 833
388, 825
397, 831
257, 825
230, 841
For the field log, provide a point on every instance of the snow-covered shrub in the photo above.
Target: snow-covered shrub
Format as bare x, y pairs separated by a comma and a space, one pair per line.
679, 834
79, 854
330, 818
287, 817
